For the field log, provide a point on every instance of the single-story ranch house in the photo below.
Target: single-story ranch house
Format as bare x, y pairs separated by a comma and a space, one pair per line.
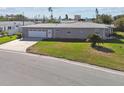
13, 26
76, 30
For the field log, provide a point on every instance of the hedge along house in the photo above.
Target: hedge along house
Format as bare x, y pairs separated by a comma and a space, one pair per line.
77, 30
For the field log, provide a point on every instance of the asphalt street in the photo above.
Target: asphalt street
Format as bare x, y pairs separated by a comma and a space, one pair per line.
29, 69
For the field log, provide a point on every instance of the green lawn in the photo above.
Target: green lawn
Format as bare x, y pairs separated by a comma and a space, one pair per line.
83, 52
7, 39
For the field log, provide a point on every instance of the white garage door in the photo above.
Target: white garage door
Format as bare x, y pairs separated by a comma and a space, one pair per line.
41, 34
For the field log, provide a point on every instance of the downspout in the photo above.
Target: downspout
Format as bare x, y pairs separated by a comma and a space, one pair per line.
23, 19
104, 37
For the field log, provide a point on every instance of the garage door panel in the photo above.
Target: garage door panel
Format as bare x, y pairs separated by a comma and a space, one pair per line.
41, 34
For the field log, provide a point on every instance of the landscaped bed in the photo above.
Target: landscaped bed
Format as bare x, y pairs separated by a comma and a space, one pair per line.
110, 54
5, 39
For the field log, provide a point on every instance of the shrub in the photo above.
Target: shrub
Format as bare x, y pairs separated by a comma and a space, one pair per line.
53, 21
19, 35
4, 33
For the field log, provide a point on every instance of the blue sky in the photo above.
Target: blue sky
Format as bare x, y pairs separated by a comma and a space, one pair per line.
87, 12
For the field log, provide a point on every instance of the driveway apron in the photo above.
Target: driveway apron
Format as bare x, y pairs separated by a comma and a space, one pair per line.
17, 45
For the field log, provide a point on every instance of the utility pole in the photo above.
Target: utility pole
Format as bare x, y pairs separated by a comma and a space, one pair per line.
23, 19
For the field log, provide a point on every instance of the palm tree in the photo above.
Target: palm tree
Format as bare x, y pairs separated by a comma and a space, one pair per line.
66, 17
97, 12
97, 15
95, 39
51, 11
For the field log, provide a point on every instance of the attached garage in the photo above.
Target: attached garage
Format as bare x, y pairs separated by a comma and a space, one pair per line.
39, 34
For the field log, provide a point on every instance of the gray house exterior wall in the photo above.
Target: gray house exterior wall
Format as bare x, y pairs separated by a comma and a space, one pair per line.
77, 33
70, 33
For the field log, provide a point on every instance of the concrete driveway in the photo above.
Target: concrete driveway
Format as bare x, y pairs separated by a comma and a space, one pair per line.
17, 45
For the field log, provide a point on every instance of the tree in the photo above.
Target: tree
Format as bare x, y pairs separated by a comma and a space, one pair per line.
97, 15
106, 19
59, 19
95, 39
17, 17
20, 17
66, 17
51, 11
97, 12
119, 23
44, 19
118, 16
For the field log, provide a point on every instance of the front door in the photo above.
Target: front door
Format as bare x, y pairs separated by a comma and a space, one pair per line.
49, 33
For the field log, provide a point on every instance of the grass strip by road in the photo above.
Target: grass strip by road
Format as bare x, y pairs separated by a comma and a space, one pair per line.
7, 39
83, 52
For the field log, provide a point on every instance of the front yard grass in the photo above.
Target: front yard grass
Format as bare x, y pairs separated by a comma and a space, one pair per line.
83, 52
7, 39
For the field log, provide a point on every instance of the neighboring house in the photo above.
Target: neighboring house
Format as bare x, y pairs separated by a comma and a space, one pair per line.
12, 26
77, 17
77, 30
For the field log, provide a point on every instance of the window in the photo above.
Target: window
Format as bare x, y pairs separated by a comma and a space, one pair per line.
97, 33
9, 27
68, 32
82, 32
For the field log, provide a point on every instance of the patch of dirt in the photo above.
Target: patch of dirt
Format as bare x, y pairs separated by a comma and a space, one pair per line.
96, 52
